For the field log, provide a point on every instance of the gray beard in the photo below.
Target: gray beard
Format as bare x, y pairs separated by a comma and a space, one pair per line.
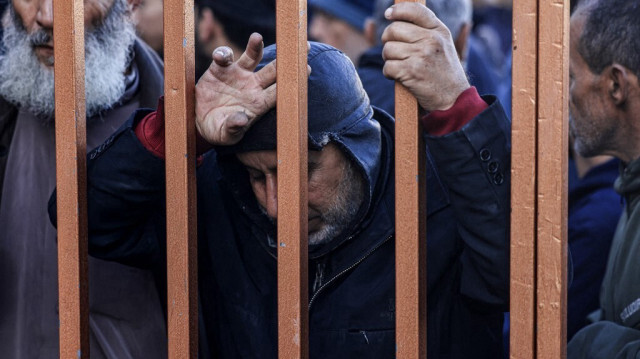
343, 210
27, 83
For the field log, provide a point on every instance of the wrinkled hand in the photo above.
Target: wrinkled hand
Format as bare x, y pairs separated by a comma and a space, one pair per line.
420, 54
230, 96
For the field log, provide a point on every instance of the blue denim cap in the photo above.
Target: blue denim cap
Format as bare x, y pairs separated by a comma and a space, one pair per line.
354, 12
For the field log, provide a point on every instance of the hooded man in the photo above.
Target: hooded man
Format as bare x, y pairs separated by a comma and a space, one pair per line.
350, 198
122, 74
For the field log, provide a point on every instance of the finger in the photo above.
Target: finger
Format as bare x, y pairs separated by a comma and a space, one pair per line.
402, 31
252, 55
414, 13
395, 50
222, 56
269, 98
393, 69
267, 75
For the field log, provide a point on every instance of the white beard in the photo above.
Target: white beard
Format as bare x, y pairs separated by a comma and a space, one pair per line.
27, 83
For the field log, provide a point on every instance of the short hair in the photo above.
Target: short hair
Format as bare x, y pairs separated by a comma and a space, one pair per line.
241, 18
611, 34
453, 13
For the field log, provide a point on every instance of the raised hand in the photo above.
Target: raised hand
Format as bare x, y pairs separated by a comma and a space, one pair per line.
230, 96
419, 53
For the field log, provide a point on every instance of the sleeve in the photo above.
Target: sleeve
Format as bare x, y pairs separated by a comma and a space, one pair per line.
474, 163
605, 340
125, 195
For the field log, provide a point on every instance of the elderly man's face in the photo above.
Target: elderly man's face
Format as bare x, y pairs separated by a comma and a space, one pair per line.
26, 69
335, 189
590, 120
37, 15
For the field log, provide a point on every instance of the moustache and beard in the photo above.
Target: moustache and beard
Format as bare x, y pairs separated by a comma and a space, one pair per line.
27, 83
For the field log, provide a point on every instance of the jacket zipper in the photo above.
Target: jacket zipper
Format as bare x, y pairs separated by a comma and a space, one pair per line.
315, 295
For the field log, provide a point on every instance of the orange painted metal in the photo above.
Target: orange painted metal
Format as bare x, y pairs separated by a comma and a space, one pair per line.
71, 169
523, 177
293, 316
553, 135
411, 225
182, 293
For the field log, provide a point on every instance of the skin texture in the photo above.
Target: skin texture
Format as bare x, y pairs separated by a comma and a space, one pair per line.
603, 107
339, 34
420, 54
326, 170
38, 15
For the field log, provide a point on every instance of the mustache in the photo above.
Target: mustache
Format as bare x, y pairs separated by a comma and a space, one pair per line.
39, 38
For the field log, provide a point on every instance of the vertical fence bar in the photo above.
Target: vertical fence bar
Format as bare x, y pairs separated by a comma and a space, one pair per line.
523, 176
71, 169
182, 293
293, 316
553, 138
411, 225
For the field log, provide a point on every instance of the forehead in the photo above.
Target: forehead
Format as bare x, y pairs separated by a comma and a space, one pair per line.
267, 160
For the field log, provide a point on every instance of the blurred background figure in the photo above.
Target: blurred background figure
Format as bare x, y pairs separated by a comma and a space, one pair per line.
343, 24
149, 24
230, 23
594, 211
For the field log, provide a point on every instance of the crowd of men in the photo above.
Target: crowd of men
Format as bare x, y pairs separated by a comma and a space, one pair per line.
364, 47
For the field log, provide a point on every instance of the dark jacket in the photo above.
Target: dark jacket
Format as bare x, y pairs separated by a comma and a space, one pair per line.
617, 334
351, 279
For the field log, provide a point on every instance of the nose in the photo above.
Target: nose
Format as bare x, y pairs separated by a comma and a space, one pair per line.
272, 196
44, 16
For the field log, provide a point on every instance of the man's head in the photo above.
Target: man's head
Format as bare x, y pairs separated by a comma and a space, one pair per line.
335, 190
603, 85
26, 68
455, 14
344, 149
342, 24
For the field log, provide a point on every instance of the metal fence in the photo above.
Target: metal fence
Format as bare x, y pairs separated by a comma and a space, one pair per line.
538, 196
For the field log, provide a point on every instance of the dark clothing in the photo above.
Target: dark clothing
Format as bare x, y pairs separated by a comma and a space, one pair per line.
594, 211
617, 334
126, 318
352, 310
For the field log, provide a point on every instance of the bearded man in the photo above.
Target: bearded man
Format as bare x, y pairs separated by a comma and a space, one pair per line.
122, 74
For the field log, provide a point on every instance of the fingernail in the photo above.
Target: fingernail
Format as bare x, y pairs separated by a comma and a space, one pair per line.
388, 12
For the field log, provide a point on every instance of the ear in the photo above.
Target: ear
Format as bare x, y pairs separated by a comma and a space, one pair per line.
618, 83
461, 42
370, 30
207, 26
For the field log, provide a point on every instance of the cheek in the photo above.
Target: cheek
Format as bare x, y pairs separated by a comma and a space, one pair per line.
26, 11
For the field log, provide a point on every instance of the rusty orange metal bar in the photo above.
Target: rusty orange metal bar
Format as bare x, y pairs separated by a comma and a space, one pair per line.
523, 177
553, 138
411, 245
291, 67
71, 169
182, 291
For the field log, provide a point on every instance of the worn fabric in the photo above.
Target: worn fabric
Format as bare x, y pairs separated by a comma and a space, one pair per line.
351, 278
126, 318
594, 211
617, 335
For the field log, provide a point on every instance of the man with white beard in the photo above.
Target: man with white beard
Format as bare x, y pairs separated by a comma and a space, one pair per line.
122, 75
